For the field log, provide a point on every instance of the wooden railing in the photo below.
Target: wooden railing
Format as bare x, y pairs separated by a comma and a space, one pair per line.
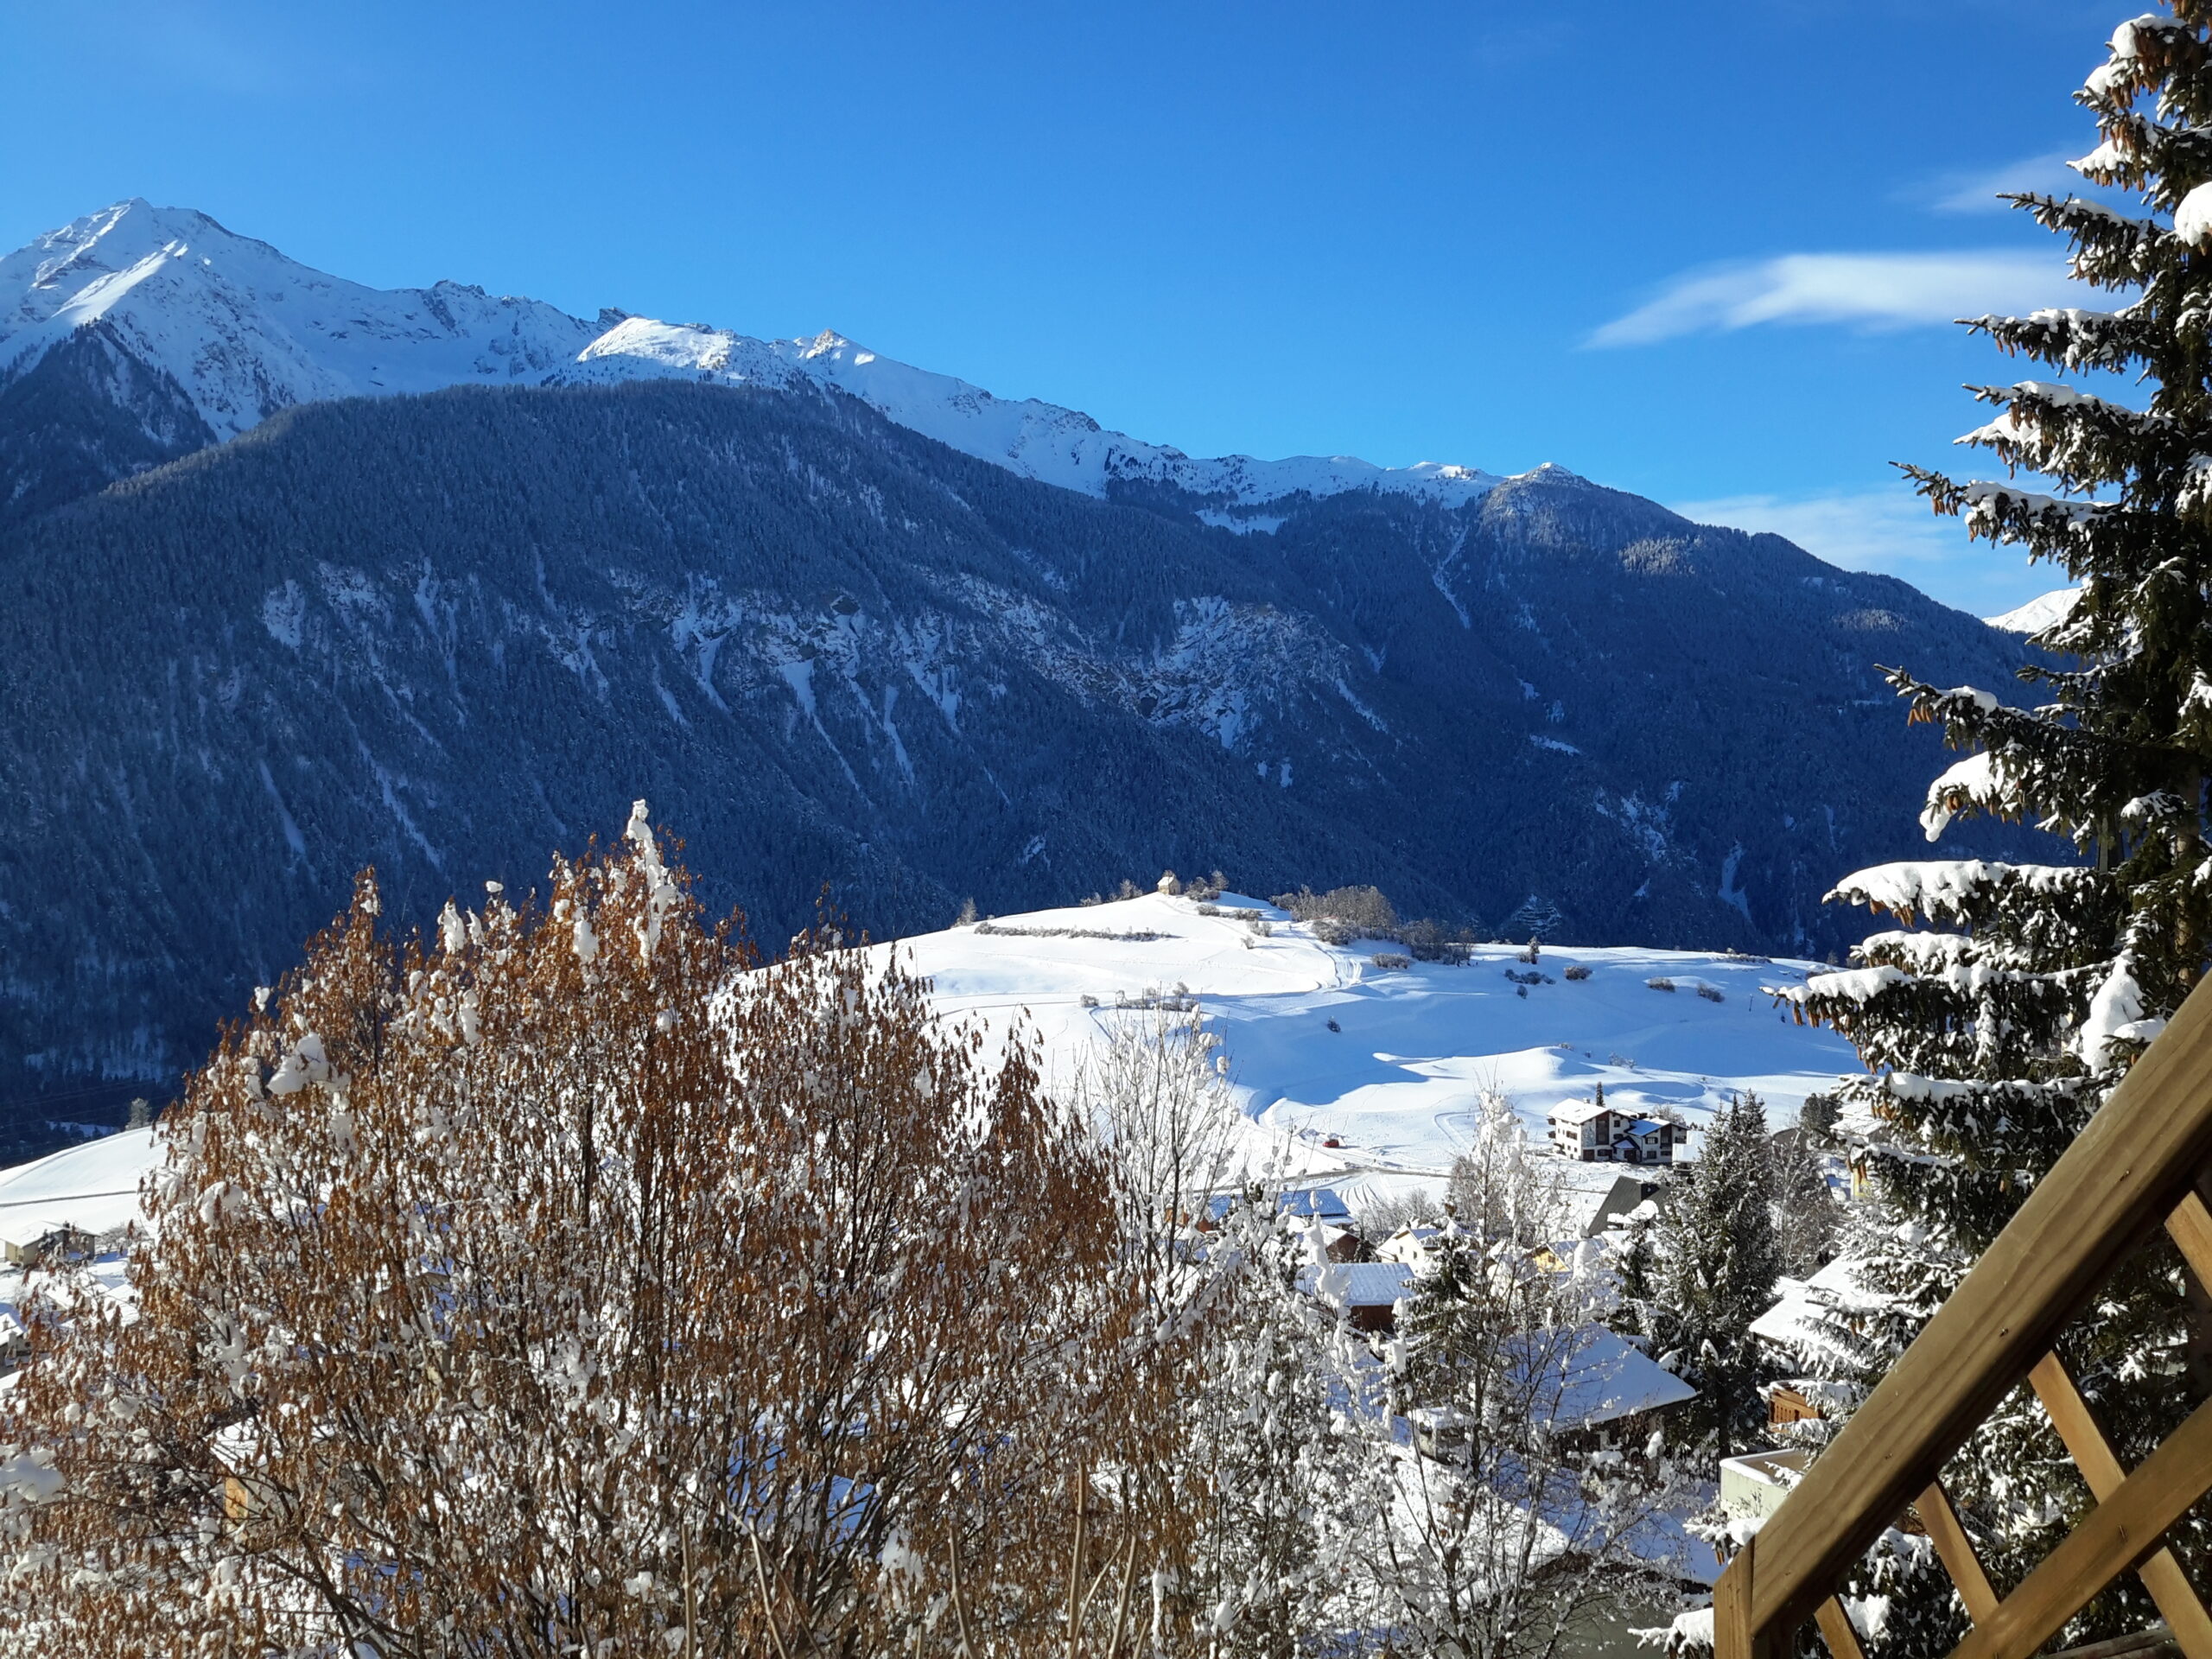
2134, 1167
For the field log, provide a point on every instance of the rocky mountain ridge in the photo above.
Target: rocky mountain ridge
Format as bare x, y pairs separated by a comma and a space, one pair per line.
234, 329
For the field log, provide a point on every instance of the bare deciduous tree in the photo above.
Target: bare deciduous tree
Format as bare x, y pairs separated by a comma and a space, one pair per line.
570, 1282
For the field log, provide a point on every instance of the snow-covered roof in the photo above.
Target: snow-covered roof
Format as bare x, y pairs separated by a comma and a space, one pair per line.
1359, 1284
1580, 1111
1408, 1244
1798, 1322
1597, 1193
1592, 1375
1319, 1202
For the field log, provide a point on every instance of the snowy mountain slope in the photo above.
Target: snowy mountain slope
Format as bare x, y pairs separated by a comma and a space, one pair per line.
1396, 1082
2037, 613
247, 331
1038, 440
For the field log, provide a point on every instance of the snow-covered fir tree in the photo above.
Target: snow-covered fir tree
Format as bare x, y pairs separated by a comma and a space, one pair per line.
1698, 1271
1991, 1035
1535, 917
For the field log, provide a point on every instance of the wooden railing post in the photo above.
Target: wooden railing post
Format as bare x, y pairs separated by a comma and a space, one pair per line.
2115, 1537
2170, 1590
1734, 1636
2125, 1174
1837, 1632
1956, 1550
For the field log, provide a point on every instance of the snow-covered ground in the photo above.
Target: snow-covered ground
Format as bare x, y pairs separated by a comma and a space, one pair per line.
1321, 1045
92, 1188
1395, 1081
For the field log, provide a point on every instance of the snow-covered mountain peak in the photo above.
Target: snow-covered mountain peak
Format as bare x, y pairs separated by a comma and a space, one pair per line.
246, 332
1038, 440
2038, 613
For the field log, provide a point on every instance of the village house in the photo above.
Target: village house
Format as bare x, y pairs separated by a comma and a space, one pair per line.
1408, 1244
1363, 1294
1592, 1132
1318, 1213
1598, 1199
42, 1242
1587, 1383
1808, 1400
1752, 1486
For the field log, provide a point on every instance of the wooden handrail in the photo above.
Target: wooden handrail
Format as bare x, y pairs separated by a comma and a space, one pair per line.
2134, 1162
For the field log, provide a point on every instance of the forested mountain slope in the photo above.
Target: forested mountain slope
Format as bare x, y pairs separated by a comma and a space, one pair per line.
446, 634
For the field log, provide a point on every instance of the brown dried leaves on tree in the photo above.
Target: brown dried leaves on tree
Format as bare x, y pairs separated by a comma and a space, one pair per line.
570, 1282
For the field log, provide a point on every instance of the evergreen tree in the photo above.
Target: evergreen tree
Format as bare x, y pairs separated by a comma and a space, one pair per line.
1806, 1214
1704, 1268
1535, 917
1992, 1038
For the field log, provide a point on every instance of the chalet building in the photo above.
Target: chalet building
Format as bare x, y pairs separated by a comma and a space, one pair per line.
1595, 1133
1753, 1485
1598, 1197
1363, 1294
1589, 1384
38, 1242
1410, 1244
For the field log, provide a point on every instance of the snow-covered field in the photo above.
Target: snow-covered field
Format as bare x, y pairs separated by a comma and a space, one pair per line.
1321, 1045
1389, 1063
92, 1188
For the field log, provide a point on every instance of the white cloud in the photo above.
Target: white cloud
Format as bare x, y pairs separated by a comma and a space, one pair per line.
1977, 193
1881, 290
1889, 530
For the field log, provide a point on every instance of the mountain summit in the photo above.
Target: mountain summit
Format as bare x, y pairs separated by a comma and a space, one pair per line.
246, 332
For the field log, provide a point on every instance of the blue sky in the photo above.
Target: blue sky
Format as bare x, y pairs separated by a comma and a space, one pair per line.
1701, 250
